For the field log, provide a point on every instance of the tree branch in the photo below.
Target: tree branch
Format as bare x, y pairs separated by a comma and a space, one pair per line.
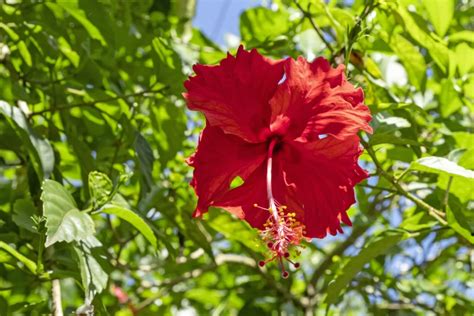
56, 298
439, 215
93, 103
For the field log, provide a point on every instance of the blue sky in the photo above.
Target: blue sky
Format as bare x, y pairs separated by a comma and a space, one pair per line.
218, 17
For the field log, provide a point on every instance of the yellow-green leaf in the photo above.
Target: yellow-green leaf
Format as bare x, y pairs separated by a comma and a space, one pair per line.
440, 13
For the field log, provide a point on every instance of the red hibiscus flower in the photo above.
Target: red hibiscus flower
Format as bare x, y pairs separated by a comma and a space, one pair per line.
288, 128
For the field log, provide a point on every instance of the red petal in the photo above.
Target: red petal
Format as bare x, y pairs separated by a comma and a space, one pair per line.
242, 200
318, 100
234, 95
218, 160
249, 201
323, 174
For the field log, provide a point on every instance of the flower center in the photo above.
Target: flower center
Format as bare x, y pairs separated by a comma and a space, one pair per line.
282, 230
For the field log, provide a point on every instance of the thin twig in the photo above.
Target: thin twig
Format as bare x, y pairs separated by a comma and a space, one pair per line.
307, 15
365, 185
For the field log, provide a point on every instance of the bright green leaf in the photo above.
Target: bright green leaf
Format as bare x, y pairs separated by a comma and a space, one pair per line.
262, 24
30, 265
65, 48
25, 53
441, 165
437, 50
134, 219
440, 13
64, 222
11, 33
411, 58
462, 36
449, 99
464, 58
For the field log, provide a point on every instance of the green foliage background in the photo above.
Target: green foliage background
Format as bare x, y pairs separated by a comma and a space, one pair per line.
94, 189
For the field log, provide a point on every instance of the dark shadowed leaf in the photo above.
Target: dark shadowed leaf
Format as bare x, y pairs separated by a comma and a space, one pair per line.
39, 150
379, 245
167, 65
145, 159
24, 210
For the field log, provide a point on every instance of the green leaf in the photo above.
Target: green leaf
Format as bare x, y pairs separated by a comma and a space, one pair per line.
205, 296
145, 157
462, 36
377, 246
387, 130
169, 125
64, 222
25, 53
65, 48
437, 50
262, 24
94, 278
236, 182
461, 187
440, 13
463, 213
39, 150
11, 33
30, 265
449, 99
167, 65
79, 15
411, 58
464, 58
234, 229
414, 219
100, 188
134, 219
23, 211
464, 139
441, 165
460, 221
